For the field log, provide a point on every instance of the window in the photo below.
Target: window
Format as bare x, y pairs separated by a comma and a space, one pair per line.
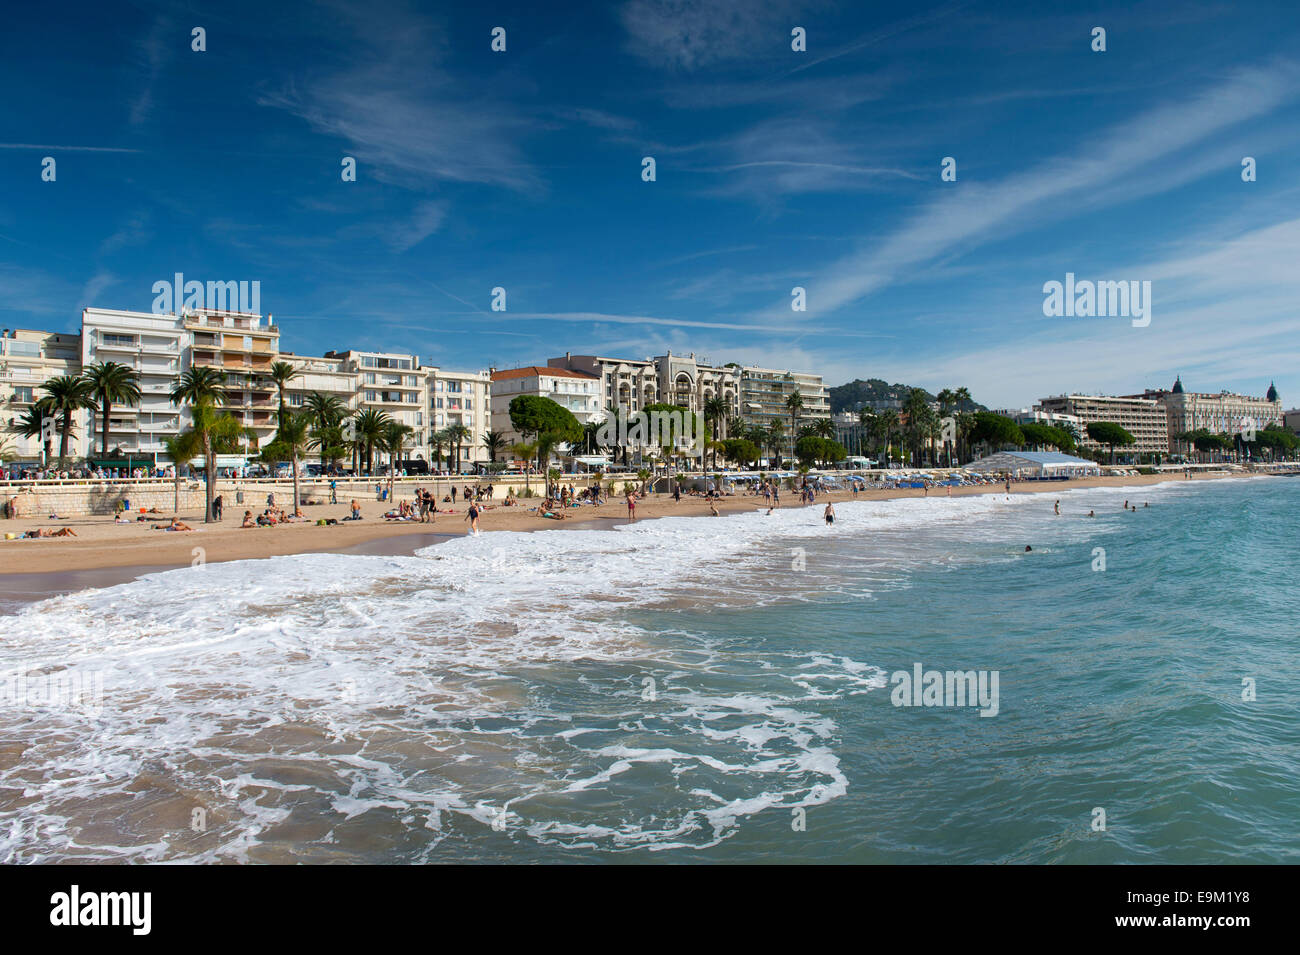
438, 404
23, 394
370, 377
469, 404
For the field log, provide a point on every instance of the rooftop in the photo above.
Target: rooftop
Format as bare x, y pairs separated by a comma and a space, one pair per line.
540, 371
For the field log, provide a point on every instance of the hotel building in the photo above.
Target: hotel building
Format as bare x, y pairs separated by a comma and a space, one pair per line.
1142, 417
1221, 413
394, 383
29, 358
631, 385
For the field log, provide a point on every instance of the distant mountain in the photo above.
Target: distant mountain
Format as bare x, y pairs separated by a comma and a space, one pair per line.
879, 394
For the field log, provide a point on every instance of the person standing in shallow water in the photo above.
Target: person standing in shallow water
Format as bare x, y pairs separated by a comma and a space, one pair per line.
1058, 507
829, 514
472, 516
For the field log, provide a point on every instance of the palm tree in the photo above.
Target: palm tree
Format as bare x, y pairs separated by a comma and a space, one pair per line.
495, 442
281, 373
457, 433
210, 431
370, 430
823, 428
794, 403
326, 413
889, 421
181, 448
775, 439
961, 401
525, 451
291, 442
64, 396
393, 440
438, 440
31, 424
111, 382
715, 413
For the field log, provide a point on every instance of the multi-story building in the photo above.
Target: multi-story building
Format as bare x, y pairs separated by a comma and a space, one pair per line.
764, 397
29, 358
577, 391
630, 385
1142, 417
158, 348
1039, 416
461, 398
244, 346
1291, 421
329, 376
394, 383
1221, 413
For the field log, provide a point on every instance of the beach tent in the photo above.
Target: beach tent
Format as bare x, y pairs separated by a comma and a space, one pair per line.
1035, 464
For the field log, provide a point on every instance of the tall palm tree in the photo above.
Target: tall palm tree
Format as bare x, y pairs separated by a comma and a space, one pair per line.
65, 395
30, 425
370, 431
291, 442
326, 413
212, 430
111, 383
715, 413
281, 373
775, 439
181, 448
823, 428
961, 400
889, 421
393, 440
794, 404
495, 442
438, 441
457, 434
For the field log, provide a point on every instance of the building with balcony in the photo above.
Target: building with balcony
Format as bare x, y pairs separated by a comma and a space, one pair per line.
244, 346
29, 358
394, 383
1219, 413
461, 398
157, 348
577, 391
683, 380
764, 397
1142, 417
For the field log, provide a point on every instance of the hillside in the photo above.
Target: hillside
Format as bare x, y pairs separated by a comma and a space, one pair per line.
879, 394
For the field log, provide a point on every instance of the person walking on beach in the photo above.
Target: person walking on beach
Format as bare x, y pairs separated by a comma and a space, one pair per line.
829, 514
631, 506
334, 491
216, 508
472, 516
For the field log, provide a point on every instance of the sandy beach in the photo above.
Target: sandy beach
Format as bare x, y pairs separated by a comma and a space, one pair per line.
104, 553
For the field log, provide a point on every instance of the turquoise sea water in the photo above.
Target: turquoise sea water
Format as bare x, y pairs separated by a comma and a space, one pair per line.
692, 690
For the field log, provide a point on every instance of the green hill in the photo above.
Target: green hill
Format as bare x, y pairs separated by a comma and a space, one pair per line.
879, 394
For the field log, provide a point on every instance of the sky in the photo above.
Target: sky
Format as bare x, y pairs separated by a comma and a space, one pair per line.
775, 168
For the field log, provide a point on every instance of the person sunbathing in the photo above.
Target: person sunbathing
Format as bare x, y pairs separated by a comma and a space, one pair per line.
248, 520
176, 525
46, 532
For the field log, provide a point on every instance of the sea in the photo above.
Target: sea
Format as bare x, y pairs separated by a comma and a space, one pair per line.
751, 688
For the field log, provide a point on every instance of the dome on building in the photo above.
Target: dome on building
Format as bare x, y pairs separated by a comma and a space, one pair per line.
1178, 385
1272, 392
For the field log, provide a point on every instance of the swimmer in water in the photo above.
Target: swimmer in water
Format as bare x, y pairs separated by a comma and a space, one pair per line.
829, 514
1091, 514
1028, 548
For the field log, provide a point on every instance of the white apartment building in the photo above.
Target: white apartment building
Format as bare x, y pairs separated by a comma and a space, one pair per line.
1054, 419
329, 376
158, 348
765, 391
243, 346
577, 391
29, 358
392, 382
460, 398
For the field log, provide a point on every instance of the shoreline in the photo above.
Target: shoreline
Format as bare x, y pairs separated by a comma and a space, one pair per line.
105, 554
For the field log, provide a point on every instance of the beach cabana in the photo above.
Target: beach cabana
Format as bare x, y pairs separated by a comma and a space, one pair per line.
1035, 465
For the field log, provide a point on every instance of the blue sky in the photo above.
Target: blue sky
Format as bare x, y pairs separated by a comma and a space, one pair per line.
775, 169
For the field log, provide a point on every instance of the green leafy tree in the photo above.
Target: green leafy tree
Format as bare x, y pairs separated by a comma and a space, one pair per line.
546, 420
1112, 434
995, 431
